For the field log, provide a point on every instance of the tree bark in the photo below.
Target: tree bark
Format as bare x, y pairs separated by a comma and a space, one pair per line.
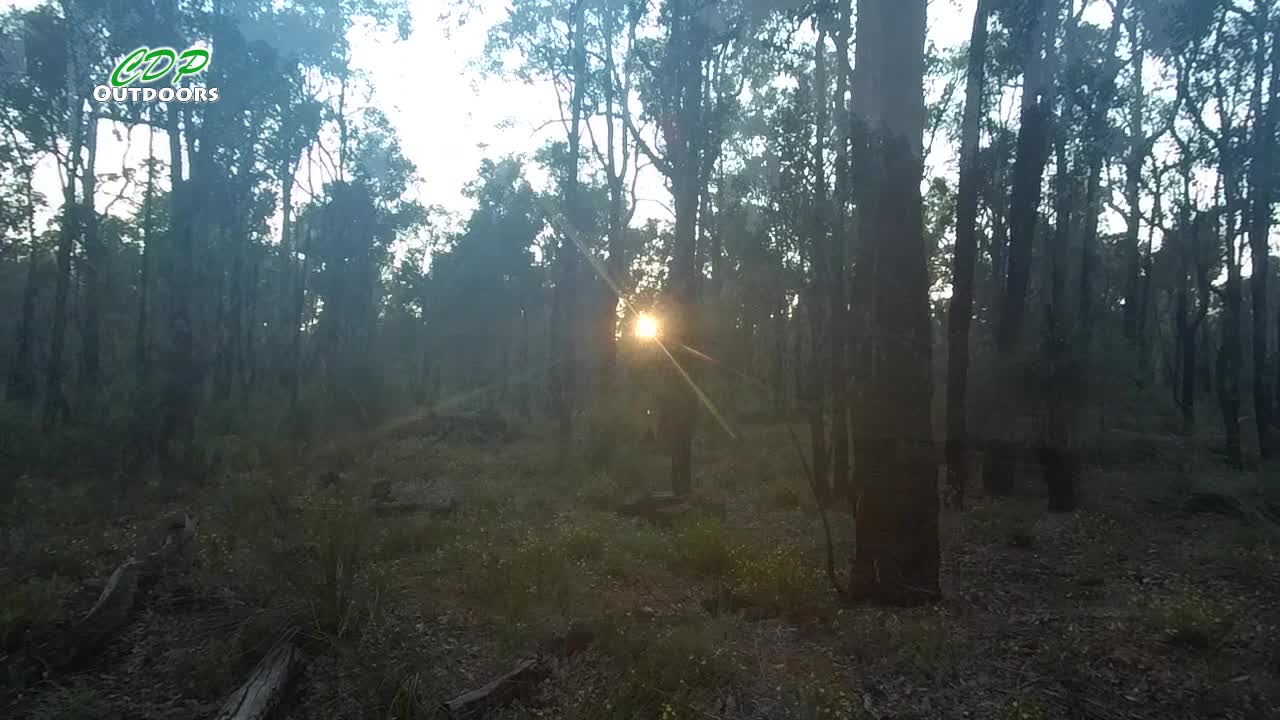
564, 375
261, 694
21, 387
685, 50
1132, 184
55, 401
960, 310
897, 556
94, 272
1028, 168
142, 341
838, 278
822, 327
1261, 182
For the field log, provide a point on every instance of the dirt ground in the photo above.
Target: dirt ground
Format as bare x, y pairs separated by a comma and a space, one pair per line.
1133, 607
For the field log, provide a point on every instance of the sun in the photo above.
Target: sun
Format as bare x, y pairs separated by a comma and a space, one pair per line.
646, 326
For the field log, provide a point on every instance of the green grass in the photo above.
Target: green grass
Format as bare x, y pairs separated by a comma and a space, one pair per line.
663, 671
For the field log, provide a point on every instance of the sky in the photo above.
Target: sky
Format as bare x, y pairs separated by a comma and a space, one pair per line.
448, 117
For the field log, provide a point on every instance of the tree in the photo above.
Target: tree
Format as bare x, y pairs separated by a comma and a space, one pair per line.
1032, 153
897, 553
960, 313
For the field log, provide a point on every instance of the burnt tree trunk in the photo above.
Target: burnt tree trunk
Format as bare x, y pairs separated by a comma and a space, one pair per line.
897, 556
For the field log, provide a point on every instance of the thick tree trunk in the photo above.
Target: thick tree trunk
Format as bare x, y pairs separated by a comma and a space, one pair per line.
960, 311
897, 554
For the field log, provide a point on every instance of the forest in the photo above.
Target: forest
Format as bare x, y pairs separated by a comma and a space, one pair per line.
806, 365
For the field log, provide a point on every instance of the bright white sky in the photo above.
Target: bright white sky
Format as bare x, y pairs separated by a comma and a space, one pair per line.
448, 119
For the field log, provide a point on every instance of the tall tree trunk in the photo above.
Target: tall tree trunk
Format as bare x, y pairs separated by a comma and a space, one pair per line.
1028, 168
1229, 352
142, 342
21, 387
180, 390
960, 311
897, 554
1132, 184
94, 272
822, 328
686, 49
838, 267
1260, 183
55, 400
565, 377
1068, 358
615, 171
778, 377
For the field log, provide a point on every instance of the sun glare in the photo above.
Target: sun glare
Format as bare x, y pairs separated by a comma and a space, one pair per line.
646, 326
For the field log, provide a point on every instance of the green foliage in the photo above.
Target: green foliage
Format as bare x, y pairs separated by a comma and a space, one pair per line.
332, 579
663, 670
701, 546
779, 580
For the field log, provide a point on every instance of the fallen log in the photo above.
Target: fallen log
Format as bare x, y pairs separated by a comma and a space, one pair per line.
260, 695
500, 691
112, 609
521, 681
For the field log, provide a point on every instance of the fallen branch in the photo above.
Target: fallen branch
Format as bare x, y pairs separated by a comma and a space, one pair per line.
113, 608
262, 692
521, 680
501, 690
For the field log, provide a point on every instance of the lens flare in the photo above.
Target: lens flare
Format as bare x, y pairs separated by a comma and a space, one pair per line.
646, 326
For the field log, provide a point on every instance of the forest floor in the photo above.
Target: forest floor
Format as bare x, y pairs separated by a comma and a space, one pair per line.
1132, 607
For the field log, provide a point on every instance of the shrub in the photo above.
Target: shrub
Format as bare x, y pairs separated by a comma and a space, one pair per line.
778, 580
661, 674
700, 546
